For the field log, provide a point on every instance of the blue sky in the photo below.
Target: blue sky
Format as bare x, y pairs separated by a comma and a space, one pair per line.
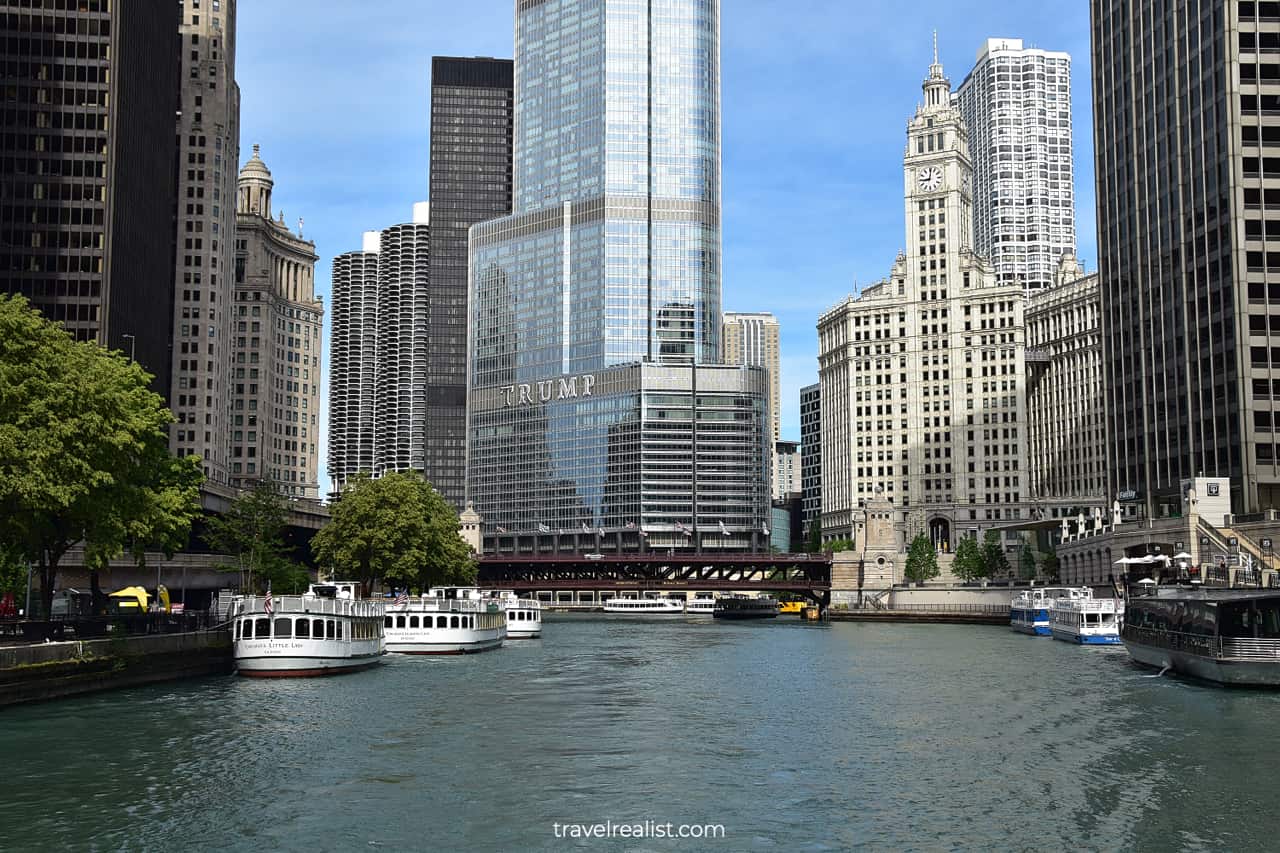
816, 95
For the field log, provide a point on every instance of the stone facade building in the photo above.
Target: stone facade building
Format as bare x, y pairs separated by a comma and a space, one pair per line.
1016, 106
275, 346
208, 135
1067, 431
922, 375
753, 339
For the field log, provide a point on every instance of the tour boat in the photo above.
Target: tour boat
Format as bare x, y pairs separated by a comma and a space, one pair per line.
328, 631
1078, 617
1228, 637
445, 622
524, 615
739, 606
1029, 611
702, 605
656, 606
793, 608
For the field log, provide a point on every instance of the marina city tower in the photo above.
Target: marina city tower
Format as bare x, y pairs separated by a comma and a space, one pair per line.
595, 306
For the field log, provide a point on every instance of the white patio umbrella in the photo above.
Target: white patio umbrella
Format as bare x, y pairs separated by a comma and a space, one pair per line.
1147, 582
1123, 561
1182, 556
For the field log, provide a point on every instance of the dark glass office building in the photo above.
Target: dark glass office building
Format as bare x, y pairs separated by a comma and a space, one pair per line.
1187, 140
87, 181
471, 117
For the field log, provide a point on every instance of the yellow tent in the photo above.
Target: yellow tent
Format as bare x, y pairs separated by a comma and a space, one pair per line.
131, 599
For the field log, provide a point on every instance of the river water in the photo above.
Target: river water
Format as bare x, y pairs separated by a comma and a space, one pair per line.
792, 737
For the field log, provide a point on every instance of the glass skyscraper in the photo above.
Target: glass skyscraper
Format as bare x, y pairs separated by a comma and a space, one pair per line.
610, 258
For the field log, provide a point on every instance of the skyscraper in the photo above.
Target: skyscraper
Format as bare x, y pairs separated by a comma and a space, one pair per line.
923, 374
591, 303
86, 170
353, 362
208, 134
753, 339
1016, 104
1188, 186
275, 346
811, 452
400, 399
471, 120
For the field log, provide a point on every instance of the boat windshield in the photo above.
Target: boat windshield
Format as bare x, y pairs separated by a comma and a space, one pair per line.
1257, 618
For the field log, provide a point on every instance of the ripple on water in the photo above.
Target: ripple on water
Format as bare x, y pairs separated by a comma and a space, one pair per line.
795, 737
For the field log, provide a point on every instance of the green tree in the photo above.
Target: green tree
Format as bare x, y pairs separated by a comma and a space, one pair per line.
84, 452
994, 562
396, 529
922, 560
252, 531
1028, 563
968, 561
1049, 565
815, 536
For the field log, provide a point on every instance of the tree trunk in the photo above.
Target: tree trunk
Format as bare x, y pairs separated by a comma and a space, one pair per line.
99, 604
48, 575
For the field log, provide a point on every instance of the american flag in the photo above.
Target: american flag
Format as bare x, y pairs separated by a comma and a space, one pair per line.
267, 607
402, 600
542, 528
724, 531
686, 531
501, 529
585, 529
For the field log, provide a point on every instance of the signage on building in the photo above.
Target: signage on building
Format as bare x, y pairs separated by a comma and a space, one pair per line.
1204, 541
548, 390
1233, 542
1127, 495
1212, 489
1266, 544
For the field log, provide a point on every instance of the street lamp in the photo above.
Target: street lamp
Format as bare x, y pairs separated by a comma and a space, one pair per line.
132, 343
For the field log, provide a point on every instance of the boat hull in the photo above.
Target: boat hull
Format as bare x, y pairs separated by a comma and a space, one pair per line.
1087, 639
731, 614
303, 667
443, 647
1227, 672
1031, 630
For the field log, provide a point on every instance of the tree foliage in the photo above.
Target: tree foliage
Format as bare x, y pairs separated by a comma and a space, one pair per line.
994, 562
922, 560
835, 546
1049, 565
1027, 563
814, 544
968, 563
395, 529
84, 456
252, 531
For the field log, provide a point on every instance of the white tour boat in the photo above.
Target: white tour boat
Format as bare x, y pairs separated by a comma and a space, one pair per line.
702, 605
445, 622
327, 631
1029, 610
524, 615
1080, 618
656, 606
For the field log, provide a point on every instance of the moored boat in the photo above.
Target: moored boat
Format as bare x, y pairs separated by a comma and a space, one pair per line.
445, 622
328, 631
701, 605
1228, 637
746, 607
655, 606
1029, 610
1080, 618
524, 615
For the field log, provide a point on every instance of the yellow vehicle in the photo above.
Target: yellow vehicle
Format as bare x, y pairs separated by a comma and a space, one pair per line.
795, 608
135, 599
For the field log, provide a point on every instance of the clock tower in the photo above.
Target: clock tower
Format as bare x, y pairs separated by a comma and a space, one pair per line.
937, 174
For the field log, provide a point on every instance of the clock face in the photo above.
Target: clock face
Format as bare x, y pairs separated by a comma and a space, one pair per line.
929, 178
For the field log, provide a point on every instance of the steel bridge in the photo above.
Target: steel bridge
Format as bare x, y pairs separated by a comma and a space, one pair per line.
808, 575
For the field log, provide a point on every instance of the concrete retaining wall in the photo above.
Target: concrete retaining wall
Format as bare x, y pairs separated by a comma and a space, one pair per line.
34, 673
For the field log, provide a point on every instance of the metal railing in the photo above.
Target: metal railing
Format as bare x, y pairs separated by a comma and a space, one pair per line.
989, 609
1219, 648
112, 625
308, 604
1247, 648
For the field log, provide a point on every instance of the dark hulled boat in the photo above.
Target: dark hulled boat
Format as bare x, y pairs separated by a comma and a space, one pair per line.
745, 607
1229, 637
